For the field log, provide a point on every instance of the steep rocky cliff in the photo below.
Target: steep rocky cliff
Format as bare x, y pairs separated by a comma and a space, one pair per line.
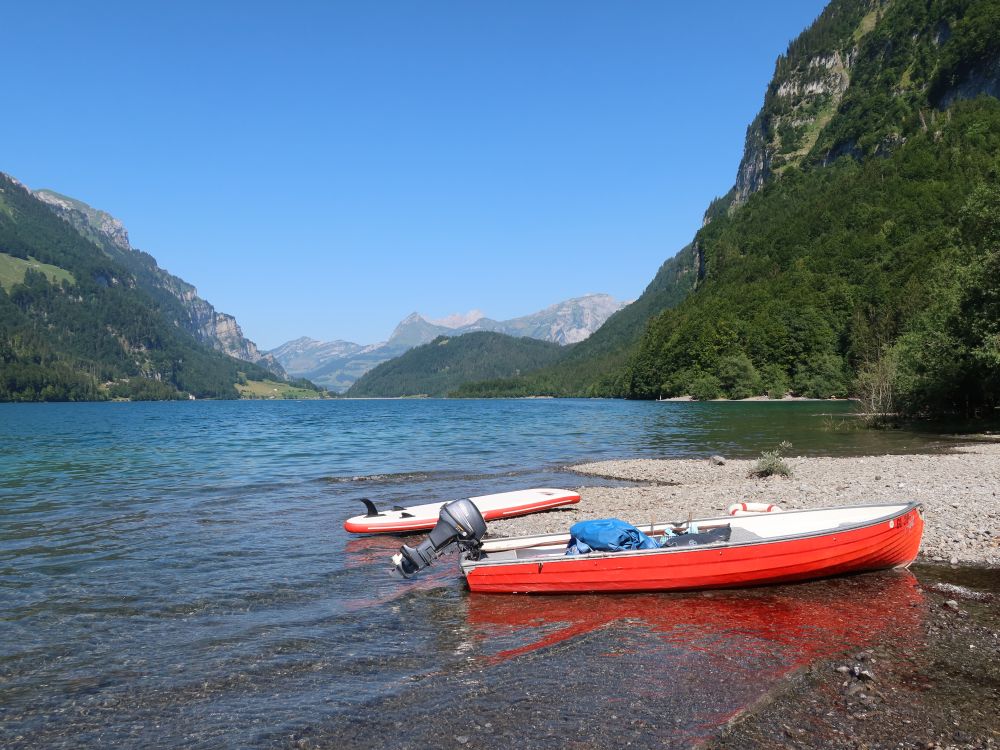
567, 322
807, 88
187, 309
865, 73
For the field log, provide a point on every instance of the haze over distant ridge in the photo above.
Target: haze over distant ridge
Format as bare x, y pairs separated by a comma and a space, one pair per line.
337, 364
457, 320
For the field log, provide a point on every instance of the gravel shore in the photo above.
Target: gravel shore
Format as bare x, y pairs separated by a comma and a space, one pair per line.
958, 490
938, 690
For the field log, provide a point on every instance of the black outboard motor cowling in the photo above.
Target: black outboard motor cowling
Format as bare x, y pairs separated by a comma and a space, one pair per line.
459, 522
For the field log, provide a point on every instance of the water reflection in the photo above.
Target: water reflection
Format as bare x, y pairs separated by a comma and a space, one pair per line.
663, 670
802, 622
742, 429
177, 574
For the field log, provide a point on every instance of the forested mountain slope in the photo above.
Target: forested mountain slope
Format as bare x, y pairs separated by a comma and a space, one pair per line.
857, 252
177, 299
75, 324
593, 366
337, 364
869, 253
809, 93
437, 368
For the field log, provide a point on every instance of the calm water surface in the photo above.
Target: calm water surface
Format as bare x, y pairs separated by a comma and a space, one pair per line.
176, 575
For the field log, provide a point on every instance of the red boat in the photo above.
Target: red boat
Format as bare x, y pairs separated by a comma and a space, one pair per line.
762, 549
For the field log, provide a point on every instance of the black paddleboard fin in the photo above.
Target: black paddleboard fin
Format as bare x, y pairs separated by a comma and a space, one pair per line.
372, 510
404, 514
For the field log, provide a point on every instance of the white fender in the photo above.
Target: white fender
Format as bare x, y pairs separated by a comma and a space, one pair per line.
747, 509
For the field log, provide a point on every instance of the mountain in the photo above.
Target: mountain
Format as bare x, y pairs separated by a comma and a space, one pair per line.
566, 322
333, 364
414, 330
593, 366
178, 298
458, 320
438, 367
338, 364
853, 253
304, 354
76, 323
859, 252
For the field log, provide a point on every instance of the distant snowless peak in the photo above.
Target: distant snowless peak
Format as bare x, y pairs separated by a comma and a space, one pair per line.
458, 320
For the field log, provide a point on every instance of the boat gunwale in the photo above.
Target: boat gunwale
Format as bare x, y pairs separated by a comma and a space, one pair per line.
467, 565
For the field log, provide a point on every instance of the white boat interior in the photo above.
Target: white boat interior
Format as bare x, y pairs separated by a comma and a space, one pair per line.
746, 529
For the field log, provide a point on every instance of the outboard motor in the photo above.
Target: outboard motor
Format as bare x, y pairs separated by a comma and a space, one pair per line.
459, 522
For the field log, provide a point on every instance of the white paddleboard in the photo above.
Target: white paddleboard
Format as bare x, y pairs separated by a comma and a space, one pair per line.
423, 517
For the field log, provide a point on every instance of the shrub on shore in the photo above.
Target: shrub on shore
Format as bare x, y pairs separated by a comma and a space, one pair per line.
771, 463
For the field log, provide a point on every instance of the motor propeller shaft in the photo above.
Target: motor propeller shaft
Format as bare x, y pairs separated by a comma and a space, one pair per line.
459, 522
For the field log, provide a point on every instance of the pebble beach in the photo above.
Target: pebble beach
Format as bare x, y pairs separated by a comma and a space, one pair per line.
937, 691
958, 490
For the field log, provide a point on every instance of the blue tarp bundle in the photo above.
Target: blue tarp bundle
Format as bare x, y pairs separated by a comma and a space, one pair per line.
606, 535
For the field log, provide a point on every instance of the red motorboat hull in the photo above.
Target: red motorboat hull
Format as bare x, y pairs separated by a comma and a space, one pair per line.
888, 542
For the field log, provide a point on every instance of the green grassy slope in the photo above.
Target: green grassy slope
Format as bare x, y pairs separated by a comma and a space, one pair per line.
275, 389
12, 271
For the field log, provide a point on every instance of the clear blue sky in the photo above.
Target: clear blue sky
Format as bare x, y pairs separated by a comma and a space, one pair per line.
324, 169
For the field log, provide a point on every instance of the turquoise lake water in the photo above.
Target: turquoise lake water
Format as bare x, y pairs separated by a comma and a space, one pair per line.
176, 574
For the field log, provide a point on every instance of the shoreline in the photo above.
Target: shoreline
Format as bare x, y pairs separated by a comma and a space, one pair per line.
958, 490
936, 691
762, 399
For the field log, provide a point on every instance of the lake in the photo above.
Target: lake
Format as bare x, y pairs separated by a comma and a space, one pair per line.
176, 575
